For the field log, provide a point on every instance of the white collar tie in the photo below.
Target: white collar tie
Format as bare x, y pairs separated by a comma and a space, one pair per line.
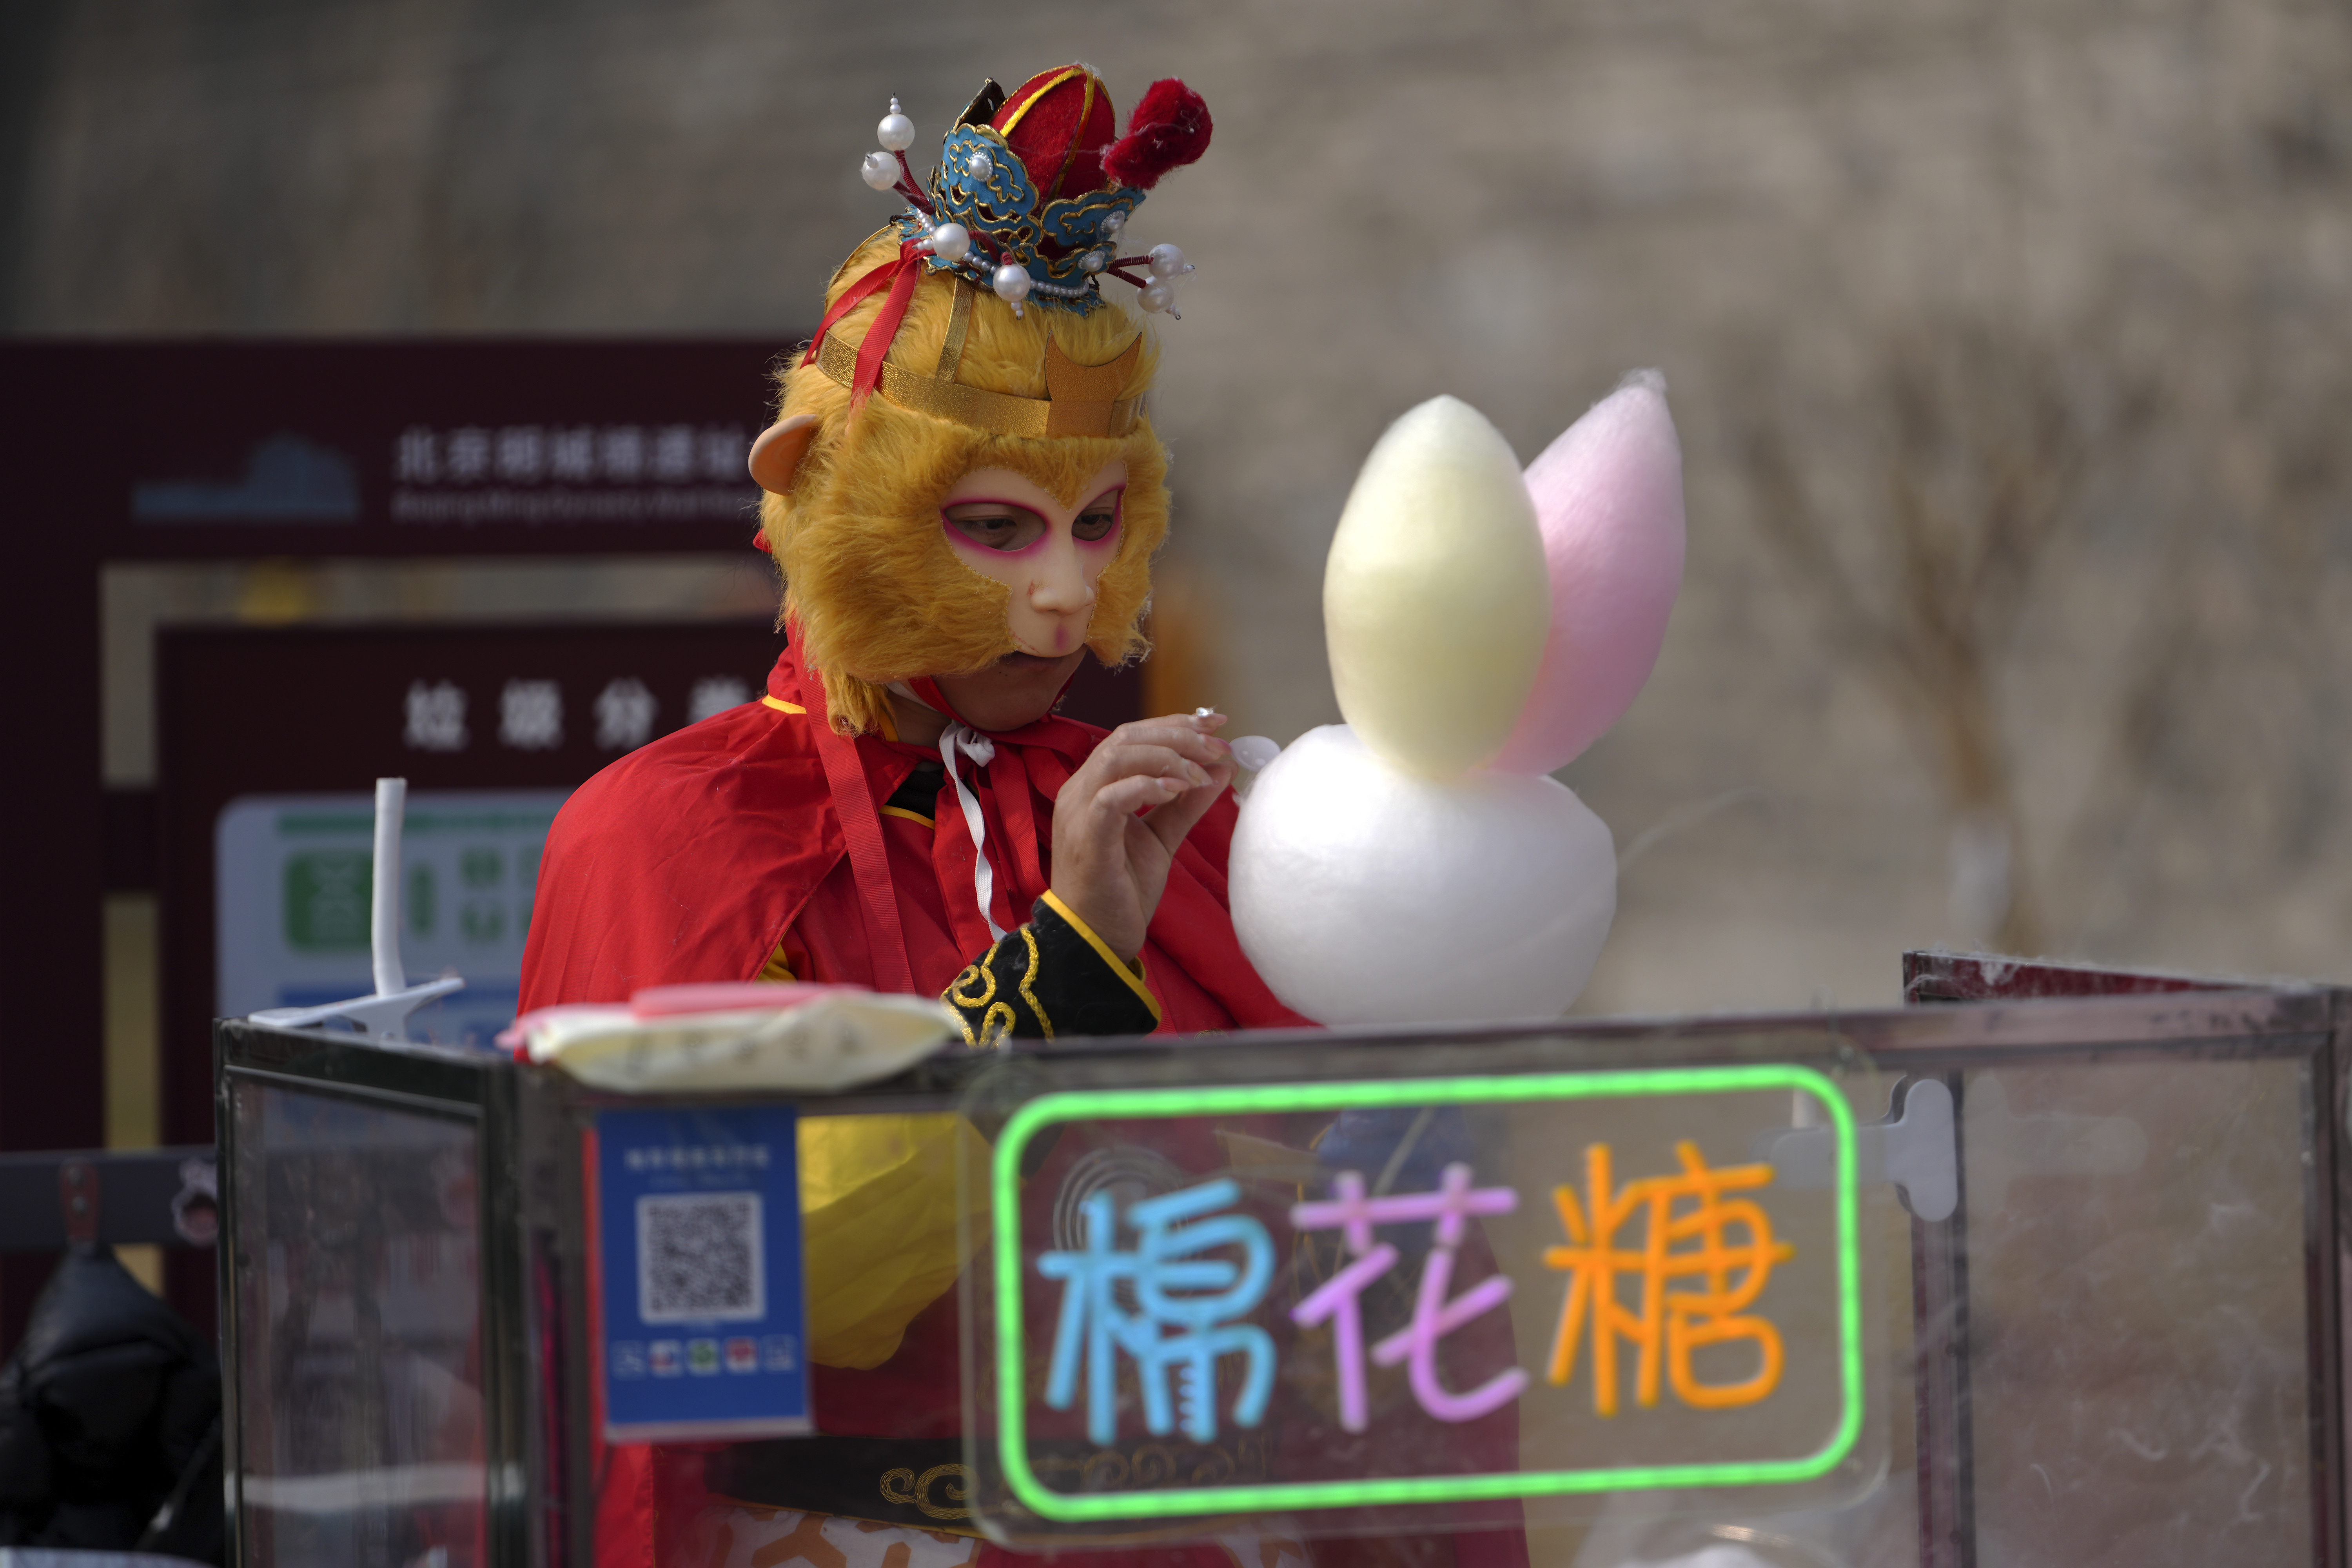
962, 737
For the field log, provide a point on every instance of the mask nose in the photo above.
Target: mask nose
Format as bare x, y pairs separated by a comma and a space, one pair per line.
1061, 586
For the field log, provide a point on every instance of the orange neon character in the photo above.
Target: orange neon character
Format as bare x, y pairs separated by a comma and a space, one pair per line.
1668, 1325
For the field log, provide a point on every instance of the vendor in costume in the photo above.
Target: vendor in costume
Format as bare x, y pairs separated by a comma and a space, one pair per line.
964, 496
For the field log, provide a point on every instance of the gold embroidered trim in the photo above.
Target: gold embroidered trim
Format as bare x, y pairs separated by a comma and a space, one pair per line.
781, 705
1030, 979
972, 972
955, 1487
1133, 975
909, 816
957, 994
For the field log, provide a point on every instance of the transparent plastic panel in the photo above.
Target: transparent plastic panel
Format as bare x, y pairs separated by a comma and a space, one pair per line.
1406, 1305
2139, 1361
359, 1316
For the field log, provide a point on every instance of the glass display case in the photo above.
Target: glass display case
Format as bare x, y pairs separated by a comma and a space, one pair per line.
2006, 1279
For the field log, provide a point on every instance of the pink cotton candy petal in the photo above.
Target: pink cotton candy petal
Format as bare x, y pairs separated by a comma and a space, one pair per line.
1609, 498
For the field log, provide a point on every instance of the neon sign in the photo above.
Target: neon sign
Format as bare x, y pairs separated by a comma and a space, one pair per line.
1171, 1298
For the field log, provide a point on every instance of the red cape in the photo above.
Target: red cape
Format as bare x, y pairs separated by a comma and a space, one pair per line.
693, 857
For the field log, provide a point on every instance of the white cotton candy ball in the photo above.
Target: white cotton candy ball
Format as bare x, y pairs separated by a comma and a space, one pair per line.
1368, 895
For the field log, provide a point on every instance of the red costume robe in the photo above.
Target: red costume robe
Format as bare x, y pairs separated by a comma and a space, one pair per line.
760, 832
697, 856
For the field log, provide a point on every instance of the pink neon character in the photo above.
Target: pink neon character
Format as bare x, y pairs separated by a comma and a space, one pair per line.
1339, 1300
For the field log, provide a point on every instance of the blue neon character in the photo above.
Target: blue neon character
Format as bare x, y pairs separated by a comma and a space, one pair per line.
1169, 1332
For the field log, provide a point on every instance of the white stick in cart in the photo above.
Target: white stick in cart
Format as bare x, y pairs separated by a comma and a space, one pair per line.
384, 916
385, 1014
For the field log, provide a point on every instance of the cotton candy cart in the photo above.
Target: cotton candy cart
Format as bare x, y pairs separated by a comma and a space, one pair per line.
2045, 1266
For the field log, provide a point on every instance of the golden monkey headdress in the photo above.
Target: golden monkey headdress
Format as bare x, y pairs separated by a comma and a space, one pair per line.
978, 316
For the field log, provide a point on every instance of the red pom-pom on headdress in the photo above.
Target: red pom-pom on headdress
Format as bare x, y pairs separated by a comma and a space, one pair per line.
1168, 130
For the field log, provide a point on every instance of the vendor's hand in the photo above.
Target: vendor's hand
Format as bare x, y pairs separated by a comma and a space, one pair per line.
1110, 864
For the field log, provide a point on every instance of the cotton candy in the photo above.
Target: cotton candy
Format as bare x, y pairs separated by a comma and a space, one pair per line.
1366, 894
1435, 599
1609, 497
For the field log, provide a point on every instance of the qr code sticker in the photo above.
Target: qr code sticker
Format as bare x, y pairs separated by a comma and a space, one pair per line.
699, 1259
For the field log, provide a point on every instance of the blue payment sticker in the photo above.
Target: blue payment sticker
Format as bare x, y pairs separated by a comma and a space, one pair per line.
699, 1241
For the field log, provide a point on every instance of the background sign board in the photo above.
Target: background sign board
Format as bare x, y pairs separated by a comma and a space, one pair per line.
414, 447
409, 446
296, 874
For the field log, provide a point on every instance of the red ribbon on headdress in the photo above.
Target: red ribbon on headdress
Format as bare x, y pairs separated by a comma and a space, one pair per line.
901, 275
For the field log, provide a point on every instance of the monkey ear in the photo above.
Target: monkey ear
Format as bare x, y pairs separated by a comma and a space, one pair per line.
777, 454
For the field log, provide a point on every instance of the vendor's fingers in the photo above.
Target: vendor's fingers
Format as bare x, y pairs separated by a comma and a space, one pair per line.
1206, 750
1181, 732
1126, 761
1203, 719
1142, 793
1172, 821
1115, 756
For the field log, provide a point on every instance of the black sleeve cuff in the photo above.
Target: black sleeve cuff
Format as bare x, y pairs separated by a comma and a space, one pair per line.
1052, 977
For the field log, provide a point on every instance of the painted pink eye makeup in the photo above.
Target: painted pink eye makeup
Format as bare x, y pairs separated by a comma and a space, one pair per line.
999, 527
1099, 522
1009, 529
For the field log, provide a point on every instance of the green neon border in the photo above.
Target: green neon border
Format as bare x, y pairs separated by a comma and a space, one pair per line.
1133, 1103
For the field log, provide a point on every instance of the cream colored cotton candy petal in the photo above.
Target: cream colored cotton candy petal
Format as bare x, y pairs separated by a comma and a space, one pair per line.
1366, 895
1436, 599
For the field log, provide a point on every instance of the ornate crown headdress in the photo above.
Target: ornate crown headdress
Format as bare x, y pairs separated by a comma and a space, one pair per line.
1032, 196
1030, 200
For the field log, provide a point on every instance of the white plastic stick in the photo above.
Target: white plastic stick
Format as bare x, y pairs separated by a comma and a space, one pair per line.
384, 1015
384, 927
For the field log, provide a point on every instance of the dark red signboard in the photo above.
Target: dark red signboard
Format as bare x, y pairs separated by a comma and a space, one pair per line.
408, 447
213, 448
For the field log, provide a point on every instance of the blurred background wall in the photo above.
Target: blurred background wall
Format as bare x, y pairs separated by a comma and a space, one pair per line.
2011, 343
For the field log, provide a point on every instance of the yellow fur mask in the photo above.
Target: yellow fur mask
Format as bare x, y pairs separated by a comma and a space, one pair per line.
873, 592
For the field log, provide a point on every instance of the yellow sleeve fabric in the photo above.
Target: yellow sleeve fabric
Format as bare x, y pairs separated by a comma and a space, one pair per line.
880, 1212
883, 1224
